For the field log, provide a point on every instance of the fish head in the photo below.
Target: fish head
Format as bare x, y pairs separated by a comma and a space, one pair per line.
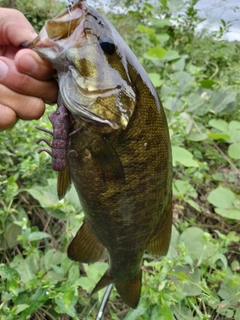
90, 58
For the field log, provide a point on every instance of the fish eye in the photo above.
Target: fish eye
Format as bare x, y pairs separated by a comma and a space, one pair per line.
107, 46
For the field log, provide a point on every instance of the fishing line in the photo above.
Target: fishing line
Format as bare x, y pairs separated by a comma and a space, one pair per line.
70, 6
104, 302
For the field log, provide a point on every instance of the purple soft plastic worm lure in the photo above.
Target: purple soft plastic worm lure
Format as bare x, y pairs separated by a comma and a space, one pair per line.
62, 123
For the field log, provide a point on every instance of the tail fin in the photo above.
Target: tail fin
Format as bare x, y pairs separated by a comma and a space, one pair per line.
128, 290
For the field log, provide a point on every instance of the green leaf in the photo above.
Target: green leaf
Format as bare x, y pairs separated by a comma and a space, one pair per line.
218, 136
194, 205
182, 276
72, 198
164, 312
35, 236
227, 291
218, 176
219, 124
156, 79
190, 280
8, 273
235, 265
223, 101
164, 3
234, 150
95, 270
86, 283
207, 84
160, 23
23, 268
155, 53
10, 235
231, 213
183, 188
221, 198
234, 125
73, 274
162, 38
135, 313
198, 246
171, 55
172, 104
19, 308
197, 133
46, 199
198, 104
183, 156
145, 29
192, 238
52, 257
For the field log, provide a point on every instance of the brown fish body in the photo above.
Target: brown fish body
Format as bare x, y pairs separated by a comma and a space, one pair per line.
122, 171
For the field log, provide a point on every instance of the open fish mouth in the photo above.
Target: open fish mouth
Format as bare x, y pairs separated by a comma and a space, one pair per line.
88, 91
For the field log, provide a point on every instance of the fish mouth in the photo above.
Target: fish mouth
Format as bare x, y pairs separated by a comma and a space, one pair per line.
90, 88
89, 92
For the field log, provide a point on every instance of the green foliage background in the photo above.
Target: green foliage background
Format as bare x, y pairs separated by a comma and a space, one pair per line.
197, 77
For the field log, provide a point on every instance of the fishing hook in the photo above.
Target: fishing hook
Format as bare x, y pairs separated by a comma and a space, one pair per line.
70, 6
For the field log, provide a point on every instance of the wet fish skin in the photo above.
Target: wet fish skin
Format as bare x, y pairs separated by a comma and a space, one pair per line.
123, 171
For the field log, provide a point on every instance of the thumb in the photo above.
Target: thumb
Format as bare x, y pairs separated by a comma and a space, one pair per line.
14, 28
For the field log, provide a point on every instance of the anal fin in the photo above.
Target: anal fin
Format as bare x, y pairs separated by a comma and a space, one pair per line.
85, 247
129, 290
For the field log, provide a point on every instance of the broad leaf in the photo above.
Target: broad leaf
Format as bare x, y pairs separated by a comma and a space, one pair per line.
221, 198
183, 156
234, 150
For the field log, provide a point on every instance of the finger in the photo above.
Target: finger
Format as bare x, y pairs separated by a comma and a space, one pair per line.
30, 63
24, 84
14, 28
25, 107
7, 117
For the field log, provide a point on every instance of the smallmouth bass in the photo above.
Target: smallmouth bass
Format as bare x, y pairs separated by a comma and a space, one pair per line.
121, 165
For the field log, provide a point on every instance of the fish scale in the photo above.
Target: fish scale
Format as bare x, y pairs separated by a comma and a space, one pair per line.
123, 171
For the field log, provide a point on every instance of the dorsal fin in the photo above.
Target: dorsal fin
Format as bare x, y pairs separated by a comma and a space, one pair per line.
160, 239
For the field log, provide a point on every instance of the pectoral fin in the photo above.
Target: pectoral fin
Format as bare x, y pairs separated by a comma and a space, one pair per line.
108, 162
129, 290
159, 242
85, 246
63, 182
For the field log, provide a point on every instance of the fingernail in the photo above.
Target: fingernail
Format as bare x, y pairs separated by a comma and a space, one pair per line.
28, 64
3, 69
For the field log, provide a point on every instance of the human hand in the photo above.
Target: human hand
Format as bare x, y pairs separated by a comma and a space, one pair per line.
26, 81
